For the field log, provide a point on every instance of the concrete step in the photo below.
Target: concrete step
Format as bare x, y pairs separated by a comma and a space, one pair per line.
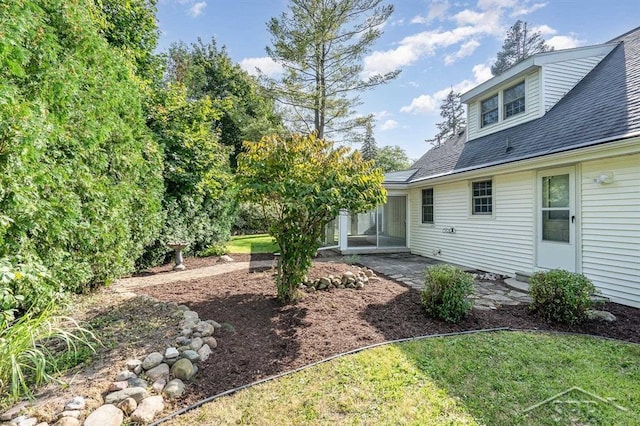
514, 284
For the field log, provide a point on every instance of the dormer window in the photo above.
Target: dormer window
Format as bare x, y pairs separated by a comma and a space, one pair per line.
514, 100
490, 111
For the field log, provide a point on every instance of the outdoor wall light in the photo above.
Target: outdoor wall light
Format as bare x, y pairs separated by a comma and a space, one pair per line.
604, 178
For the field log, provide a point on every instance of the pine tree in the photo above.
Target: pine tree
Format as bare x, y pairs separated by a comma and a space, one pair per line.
518, 45
321, 45
452, 111
369, 148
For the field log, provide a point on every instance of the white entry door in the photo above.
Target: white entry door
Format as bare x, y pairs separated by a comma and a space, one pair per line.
556, 246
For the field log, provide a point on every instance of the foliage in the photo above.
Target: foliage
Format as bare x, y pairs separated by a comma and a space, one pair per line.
131, 27
518, 45
205, 70
24, 287
561, 296
307, 181
217, 249
452, 111
79, 173
30, 349
369, 148
446, 292
321, 45
198, 200
392, 158
252, 218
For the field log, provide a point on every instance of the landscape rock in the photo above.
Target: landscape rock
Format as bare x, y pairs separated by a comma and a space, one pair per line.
136, 393
171, 353
137, 382
193, 315
105, 415
196, 343
68, 421
25, 421
606, 316
324, 283
182, 369
204, 352
76, 403
158, 371
186, 332
128, 406
133, 363
125, 375
71, 413
148, 409
215, 324
204, 328
159, 384
226, 258
174, 389
117, 386
13, 412
191, 355
183, 340
152, 360
211, 341
183, 308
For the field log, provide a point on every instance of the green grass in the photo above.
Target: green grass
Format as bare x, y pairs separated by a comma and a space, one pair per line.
251, 244
484, 379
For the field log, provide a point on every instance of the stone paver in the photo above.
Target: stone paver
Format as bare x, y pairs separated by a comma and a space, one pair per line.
409, 269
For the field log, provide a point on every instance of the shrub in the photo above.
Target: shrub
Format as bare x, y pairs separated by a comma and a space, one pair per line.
252, 218
445, 293
561, 296
31, 348
215, 250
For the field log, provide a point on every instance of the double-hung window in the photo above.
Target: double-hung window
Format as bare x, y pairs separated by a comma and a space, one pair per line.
514, 100
427, 205
490, 110
482, 197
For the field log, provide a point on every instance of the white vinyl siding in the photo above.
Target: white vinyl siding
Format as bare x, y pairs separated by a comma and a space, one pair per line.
610, 223
532, 108
560, 77
501, 243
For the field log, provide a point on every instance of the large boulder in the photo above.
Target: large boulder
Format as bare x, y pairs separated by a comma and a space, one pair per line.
136, 393
148, 409
182, 369
152, 360
105, 415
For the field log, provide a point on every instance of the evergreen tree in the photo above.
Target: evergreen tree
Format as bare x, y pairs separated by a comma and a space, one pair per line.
321, 45
518, 46
452, 111
392, 159
369, 148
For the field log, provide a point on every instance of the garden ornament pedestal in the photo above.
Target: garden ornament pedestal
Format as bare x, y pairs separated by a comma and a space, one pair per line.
177, 248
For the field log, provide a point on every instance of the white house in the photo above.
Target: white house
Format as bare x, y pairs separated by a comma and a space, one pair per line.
546, 175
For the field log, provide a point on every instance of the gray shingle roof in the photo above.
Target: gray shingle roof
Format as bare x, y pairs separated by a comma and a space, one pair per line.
603, 106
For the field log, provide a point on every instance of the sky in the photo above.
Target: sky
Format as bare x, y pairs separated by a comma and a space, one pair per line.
438, 45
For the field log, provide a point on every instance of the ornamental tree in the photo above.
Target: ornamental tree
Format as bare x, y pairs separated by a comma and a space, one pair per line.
306, 181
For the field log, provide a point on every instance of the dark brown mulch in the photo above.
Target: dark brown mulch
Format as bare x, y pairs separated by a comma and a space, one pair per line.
262, 338
201, 262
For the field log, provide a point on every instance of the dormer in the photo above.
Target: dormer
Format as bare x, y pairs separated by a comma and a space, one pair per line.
529, 89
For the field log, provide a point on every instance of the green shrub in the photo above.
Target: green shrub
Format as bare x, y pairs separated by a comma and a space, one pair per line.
252, 218
215, 250
445, 293
561, 296
32, 347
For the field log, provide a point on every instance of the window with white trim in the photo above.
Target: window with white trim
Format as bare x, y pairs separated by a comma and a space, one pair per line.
513, 99
482, 197
427, 205
489, 110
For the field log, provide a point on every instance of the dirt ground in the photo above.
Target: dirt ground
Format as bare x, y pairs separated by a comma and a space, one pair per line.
261, 337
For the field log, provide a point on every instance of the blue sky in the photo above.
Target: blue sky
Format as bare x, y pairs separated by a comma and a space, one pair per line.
437, 44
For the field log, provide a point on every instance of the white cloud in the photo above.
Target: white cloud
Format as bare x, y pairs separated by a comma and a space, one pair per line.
388, 125
563, 42
544, 30
382, 114
430, 104
524, 10
196, 9
265, 64
423, 104
437, 10
465, 50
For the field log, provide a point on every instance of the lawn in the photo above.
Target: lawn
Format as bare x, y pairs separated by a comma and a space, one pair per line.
252, 244
471, 379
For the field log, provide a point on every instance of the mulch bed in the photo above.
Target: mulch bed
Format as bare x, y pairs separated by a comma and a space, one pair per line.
262, 337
